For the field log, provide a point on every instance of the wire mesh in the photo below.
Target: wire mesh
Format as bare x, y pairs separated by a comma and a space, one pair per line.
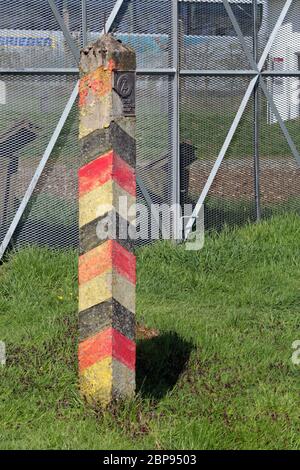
145, 25
97, 14
32, 109
208, 46
31, 38
208, 108
232, 198
51, 215
208, 40
285, 50
154, 154
279, 170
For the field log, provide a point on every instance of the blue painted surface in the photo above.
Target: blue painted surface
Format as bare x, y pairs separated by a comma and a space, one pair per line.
26, 41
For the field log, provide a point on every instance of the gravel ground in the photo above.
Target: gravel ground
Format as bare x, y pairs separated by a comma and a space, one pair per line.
279, 179
58, 181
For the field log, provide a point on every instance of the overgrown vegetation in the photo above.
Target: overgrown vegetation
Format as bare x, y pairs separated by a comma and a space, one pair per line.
219, 375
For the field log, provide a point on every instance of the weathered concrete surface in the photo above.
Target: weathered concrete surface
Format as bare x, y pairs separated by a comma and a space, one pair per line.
107, 271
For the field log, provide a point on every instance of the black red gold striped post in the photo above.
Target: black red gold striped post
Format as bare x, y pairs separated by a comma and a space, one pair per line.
107, 272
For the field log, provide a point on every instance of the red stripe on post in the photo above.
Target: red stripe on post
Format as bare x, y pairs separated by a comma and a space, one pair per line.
95, 348
104, 168
109, 255
95, 262
124, 350
107, 343
124, 175
124, 262
95, 173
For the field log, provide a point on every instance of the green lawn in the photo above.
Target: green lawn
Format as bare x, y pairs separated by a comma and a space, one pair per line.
218, 376
19, 108
207, 130
205, 119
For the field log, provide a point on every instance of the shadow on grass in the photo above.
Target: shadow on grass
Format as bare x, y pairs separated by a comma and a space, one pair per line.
160, 362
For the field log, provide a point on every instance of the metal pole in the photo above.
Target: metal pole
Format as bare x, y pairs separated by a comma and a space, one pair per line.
215, 168
280, 120
110, 20
84, 23
55, 135
239, 114
38, 171
256, 116
175, 144
166, 71
7, 193
72, 45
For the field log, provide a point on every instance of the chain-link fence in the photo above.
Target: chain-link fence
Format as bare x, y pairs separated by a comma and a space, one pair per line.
217, 109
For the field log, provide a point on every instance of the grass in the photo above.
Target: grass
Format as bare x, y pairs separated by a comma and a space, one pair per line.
219, 375
46, 120
207, 131
205, 119
220, 211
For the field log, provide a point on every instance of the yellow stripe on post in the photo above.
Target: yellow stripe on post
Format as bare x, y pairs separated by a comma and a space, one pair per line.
91, 387
104, 287
101, 200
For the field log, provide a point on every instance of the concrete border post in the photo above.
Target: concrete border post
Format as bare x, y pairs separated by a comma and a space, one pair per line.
107, 196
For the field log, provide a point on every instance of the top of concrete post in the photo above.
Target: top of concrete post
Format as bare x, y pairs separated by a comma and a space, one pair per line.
107, 51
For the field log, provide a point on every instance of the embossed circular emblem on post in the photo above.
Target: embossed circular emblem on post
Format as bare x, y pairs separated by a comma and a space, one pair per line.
124, 85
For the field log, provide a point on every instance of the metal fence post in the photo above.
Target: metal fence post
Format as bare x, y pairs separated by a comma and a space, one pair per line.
175, 130
256, 116
84, 23
70, 41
